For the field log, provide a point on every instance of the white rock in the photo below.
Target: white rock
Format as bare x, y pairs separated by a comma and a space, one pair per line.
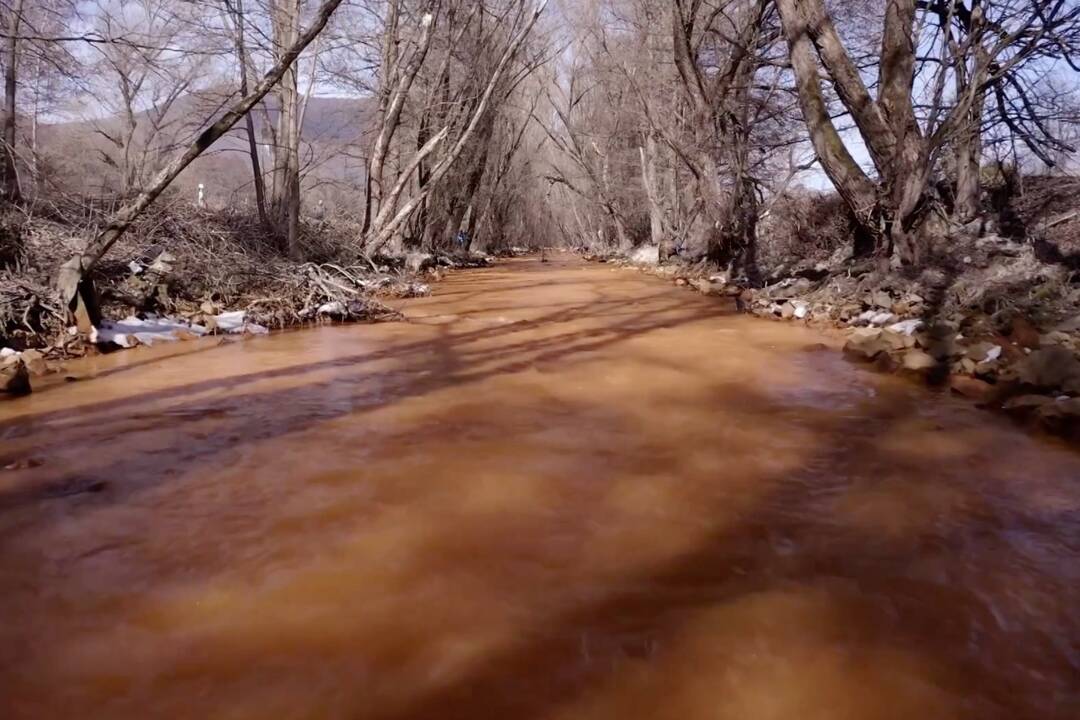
135, 267
801, 309
993, 354
8, 352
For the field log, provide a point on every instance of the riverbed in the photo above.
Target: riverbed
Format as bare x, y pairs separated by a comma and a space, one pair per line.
558, 490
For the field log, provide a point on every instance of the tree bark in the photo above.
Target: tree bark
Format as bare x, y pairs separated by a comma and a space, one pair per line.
249, 120
9, 174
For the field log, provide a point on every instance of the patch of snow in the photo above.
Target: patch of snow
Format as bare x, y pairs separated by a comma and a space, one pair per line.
882, 318
132, 331
331, 308
646, 255
236, 323
906, 327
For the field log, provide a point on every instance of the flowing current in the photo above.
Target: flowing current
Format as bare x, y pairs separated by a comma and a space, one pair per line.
558, 491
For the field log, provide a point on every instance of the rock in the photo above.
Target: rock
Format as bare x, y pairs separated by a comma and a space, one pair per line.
1025, 404
1057, 337
1024, 334
14, 377
417, 262
896, 341
1061, 417
705, 287
1050, 368
646, 255
981, 351
918, 362
681, 282
35, 362
787, 311
997, 245
881, 299
801, 310
1071, 325
865, 344
968, 365
969, 387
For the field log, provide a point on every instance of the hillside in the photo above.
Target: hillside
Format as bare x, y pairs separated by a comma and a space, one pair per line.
85, 156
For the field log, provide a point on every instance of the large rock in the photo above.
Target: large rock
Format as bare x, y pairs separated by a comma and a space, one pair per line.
918, 362
35, 362
1050, 368
866, 344
978, 390
14, 377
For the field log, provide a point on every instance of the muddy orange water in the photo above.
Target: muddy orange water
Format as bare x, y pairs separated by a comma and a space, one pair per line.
559, 491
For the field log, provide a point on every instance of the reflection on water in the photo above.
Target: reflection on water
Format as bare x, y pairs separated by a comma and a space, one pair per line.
559, 491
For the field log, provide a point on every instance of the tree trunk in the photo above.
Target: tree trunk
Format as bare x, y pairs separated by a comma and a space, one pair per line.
253, 147
652, 193
9, 174
287, 165
395, 103
847, 177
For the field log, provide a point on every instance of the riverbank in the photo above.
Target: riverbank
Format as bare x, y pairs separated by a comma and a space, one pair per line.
186, 273
1002, 330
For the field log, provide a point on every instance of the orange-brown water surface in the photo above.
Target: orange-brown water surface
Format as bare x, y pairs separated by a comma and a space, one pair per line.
558, 491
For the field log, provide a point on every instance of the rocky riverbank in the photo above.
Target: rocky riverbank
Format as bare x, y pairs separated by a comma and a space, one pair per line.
1002, 328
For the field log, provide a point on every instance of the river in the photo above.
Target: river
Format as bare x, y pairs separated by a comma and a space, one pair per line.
559, 490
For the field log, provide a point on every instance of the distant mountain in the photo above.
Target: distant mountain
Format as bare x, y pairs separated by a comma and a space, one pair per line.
85, 156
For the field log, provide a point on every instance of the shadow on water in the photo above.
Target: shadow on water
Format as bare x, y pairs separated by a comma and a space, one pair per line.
823, 568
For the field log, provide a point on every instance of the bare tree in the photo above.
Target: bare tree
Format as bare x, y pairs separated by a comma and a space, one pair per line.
73, 272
